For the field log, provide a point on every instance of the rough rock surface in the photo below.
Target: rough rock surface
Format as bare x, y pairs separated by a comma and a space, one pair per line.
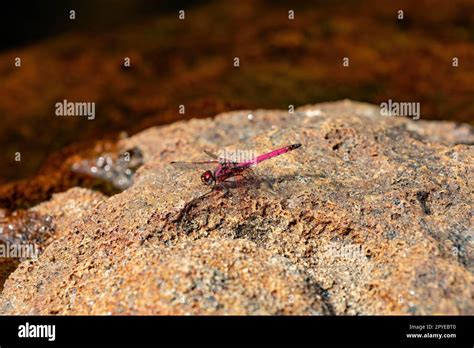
39, 225
371, 216
203, 277
190, 62
69, 206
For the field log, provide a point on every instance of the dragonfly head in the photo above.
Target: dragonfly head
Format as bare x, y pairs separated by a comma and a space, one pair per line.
207, 178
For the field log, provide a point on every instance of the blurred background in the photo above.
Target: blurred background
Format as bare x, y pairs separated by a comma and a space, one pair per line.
190, 62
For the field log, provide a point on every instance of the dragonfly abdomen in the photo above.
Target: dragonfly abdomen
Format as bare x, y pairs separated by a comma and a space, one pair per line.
277, 152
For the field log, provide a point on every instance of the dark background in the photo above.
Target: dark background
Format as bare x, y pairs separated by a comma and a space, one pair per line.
27, 21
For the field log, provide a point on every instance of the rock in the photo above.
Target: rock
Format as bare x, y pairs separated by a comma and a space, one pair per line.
7, 266
369, 216
37, 227
61, 171
208, 276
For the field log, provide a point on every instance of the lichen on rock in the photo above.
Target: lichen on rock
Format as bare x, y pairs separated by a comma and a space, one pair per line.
370, 216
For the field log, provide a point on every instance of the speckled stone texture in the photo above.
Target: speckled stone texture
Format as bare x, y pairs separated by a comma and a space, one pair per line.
372, 215
38, 226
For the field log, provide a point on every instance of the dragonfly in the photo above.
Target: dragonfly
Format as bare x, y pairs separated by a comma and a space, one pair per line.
227, 169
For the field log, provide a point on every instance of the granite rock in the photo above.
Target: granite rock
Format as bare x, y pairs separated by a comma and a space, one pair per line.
372, 215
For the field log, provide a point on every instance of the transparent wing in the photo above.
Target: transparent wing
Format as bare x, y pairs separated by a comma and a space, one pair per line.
212, 155
192, 165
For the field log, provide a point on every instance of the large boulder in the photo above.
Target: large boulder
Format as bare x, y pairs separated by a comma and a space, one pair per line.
370, 216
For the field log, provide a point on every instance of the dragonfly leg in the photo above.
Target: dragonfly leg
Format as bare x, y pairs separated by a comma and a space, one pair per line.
269, 184
250, 176
188, 206
229, 183
225, 188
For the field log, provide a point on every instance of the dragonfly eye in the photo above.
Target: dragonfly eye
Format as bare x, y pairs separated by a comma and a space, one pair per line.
207, 177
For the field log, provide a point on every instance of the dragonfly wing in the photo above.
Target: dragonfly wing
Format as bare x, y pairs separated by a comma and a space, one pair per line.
221, 160
191, 162
210, 154
192, 165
